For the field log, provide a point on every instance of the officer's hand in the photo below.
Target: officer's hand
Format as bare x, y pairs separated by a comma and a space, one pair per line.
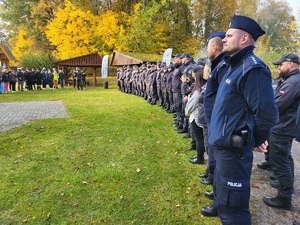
262, 147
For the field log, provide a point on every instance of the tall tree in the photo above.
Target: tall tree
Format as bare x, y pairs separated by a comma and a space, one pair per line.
276, 19
147, 32
76, 32
71, 31
247, 8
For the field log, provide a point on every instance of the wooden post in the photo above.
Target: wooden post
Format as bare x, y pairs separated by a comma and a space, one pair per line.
94, 76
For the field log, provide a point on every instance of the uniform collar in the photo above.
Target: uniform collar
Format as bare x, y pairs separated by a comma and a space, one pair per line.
216, 60
241, 55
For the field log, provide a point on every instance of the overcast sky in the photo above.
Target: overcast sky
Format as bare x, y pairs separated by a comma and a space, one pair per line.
295, 4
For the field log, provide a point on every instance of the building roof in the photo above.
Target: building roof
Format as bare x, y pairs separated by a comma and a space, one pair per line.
5, 53
90, 60
130, 58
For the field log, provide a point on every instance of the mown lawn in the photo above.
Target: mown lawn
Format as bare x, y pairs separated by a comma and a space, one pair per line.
114, 160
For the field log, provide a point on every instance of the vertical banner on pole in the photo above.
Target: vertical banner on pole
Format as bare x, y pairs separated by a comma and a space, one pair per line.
104, 69
167, 56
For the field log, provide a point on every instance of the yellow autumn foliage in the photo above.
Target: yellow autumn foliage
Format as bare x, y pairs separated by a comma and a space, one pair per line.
71, 31
75, 32
23, 44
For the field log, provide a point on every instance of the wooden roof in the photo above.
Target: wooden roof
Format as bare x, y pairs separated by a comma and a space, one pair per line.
5, 53
130, 58
90, 60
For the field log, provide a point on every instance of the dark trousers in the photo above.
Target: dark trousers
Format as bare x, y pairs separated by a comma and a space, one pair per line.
79, 85
12, 86
177, 98
282, 162
232, 185
198, 134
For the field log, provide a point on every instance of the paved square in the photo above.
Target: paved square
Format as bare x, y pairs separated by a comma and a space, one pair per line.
14, 114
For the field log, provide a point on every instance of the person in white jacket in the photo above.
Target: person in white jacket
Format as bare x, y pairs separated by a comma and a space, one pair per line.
191, 110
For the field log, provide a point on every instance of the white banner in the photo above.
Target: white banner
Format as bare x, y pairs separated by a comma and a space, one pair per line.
104, 69
167, 56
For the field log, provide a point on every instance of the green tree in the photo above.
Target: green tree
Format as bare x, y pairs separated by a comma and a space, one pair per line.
276, 19
212, 15
148, 30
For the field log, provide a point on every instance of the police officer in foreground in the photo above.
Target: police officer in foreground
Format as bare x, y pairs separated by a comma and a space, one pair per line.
287, 97
242, 118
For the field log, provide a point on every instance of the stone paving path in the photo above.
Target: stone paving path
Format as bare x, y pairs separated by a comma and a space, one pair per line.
15, 114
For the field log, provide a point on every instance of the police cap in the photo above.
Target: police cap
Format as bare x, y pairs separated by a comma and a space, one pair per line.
196, 68
201, 61
247, 24
186, 55
177, 55
220, 34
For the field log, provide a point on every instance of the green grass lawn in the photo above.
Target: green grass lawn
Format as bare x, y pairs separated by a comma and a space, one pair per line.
114, 160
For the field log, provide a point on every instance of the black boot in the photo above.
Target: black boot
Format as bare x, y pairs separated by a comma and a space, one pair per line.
209, 194
204, 175
208, 180
209, 211
278, 202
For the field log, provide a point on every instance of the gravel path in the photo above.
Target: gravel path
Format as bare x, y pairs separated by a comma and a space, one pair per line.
262, 214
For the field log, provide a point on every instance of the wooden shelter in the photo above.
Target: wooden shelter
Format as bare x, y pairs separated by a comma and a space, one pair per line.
130, 58
91, 60
5, 55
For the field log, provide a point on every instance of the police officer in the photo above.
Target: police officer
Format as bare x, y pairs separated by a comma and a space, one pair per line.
176, 84
287, 97
241, 121
169, 89
187, 84
218, 69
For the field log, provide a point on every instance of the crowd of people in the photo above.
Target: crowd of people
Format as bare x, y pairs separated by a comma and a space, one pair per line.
228, 107
36, 79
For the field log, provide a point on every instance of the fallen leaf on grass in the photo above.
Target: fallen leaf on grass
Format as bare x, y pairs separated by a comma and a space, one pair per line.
90, 165
48, 216
254, 186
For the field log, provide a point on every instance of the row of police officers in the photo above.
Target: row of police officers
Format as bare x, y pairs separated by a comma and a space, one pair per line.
242, 112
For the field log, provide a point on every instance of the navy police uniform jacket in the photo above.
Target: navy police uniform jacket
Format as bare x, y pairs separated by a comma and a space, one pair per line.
176, 81
245, 101
218, 69
287, 97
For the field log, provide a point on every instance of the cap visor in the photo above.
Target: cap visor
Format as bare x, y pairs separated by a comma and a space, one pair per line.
277, 62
